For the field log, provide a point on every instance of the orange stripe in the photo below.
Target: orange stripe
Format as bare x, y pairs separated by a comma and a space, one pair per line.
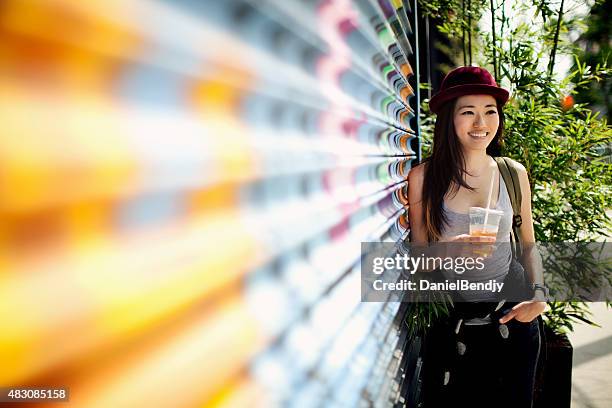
242, 392
406, 70
72, 303
178, 368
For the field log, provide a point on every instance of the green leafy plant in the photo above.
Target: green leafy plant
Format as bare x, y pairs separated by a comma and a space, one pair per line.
561, 316
420, 316
593, 47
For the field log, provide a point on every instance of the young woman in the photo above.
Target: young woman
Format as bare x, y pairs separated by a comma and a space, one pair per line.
489, 367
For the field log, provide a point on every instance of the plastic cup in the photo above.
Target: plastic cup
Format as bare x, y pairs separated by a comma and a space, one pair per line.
478, 226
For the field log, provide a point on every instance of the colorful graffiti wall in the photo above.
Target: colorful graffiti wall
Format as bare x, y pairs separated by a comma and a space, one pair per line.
184, 186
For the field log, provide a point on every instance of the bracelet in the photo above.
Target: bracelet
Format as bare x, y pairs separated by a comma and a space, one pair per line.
536, 286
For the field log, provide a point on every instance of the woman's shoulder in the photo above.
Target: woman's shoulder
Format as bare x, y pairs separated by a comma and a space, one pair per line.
416, 175
518, 166
522, 175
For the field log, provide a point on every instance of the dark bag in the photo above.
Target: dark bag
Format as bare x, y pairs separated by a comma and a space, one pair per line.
509, 174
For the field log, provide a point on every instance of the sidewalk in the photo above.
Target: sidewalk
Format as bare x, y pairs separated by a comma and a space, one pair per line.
592, 362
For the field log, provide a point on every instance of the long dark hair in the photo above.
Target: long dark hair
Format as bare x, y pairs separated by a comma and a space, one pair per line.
445, 168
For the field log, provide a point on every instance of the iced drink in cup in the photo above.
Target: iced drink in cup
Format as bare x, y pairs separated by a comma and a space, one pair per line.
484, 222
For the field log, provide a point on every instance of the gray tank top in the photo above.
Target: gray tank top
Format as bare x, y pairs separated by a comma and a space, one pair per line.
495, 266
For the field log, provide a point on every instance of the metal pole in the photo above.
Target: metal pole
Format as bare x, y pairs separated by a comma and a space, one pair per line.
428, 56
463, 32
417, 77
494, 42
470, 29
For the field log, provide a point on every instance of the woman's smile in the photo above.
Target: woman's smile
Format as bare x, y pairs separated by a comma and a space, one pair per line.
479, 135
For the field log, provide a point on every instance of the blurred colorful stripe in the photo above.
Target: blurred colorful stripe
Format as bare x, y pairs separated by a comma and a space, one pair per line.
183, 189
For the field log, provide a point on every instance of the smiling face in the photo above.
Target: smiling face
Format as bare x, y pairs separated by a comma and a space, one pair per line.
476, 121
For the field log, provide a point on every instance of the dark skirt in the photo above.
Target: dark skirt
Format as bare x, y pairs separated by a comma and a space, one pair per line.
493, 371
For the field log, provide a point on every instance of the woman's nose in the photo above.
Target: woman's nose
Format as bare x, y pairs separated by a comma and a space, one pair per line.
478, 120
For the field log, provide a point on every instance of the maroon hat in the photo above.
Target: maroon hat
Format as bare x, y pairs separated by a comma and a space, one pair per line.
467, 81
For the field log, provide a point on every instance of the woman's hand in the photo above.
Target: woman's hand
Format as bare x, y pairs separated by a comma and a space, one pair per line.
525, 311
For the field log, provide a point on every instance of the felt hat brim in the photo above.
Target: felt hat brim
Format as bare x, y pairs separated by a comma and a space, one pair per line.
439, 99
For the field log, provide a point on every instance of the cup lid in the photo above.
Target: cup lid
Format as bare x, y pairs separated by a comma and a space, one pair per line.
489, 210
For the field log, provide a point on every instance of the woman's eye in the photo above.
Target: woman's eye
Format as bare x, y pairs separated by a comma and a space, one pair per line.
468, 113
491, 112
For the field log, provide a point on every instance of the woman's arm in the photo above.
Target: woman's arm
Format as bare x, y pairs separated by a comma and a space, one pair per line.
419, 244
527, 311
416, 213
530, 257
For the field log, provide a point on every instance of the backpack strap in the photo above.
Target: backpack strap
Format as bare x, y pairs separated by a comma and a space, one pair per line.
509, 174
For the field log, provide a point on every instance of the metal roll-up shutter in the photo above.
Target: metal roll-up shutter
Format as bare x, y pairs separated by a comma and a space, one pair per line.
184, 187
